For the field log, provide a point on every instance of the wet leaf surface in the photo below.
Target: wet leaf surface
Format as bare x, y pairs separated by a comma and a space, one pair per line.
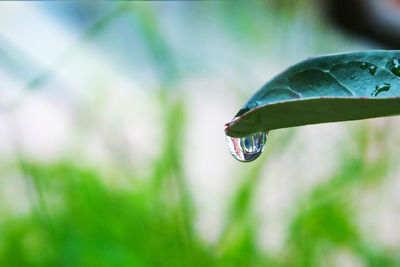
330, 88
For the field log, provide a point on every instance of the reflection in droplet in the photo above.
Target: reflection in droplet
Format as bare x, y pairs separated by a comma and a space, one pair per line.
381, 88
396, 67
364, 65
247, 148
372, 69
353, 77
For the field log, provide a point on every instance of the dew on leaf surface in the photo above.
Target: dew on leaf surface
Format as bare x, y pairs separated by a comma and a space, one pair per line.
381, 88
364, 65
372, 69
396, 67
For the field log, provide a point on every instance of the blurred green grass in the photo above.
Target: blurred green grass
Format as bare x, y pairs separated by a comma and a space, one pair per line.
76, 219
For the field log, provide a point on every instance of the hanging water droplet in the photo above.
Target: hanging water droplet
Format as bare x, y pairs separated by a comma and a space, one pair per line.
380, 88
396, 67
364, 65
372, 69
247, 148
353, 77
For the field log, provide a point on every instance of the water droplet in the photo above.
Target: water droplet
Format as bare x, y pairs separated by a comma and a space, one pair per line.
352, 77
380, 88
364, 65
396, 67
372, 69
247, 148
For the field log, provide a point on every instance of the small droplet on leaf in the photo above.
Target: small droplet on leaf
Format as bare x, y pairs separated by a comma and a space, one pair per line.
396, 67
381, 88
353, 77
372, 69
364, 65
247, 148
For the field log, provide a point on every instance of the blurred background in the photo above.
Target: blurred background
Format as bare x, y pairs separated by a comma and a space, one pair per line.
112, 149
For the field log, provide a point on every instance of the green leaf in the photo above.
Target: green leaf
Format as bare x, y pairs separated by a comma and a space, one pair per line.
330, 88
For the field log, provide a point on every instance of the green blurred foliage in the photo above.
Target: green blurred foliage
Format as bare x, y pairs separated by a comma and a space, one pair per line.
94, 226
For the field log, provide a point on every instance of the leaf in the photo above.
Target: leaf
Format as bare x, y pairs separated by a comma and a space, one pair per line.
329, 88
